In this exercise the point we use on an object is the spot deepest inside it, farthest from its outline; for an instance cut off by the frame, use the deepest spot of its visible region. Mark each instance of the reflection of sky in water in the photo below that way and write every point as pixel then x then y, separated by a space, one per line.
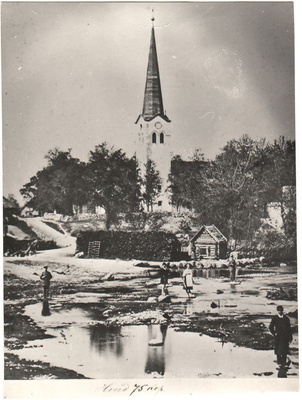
pixel 123 352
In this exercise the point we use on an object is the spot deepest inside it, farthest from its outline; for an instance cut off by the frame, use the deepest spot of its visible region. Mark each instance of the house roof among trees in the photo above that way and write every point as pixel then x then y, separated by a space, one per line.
pixel 213 231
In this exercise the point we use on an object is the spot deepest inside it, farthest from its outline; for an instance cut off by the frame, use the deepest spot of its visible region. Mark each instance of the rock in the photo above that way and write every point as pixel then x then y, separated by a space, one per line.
pixel 106 313
pixel 152 300
pixel 214 305
pixel 67 291
pixel 60 272
pixel 156 342
pixel 108 277
pixel 219 291
pixel 79 255
pixel 164 299
pixel 150 284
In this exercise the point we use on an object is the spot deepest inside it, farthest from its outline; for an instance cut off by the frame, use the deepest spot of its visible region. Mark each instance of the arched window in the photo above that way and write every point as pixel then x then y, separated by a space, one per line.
pixel 153 137
pixel 162 137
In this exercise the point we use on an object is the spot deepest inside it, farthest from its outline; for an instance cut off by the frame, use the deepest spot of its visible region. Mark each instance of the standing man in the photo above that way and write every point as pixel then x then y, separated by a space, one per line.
pixel 164 277
pixel 281 330
pixel 232 266
pixel 46 277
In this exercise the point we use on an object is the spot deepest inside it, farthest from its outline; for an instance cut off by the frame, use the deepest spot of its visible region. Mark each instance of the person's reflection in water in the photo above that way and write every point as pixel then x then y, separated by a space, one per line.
pixel 156 352
pixel 233 288
pixel 107 339
pixel 188 308
pixel 45 308
pixel 282 373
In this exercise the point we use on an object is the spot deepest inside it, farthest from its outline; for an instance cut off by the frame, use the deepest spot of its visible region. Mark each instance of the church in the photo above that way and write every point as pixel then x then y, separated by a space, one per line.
pixel 153 130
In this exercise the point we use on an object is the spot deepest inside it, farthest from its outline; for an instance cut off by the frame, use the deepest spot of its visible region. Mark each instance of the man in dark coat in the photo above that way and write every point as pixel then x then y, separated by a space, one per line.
pixel 164 277
pixel 281 330
pixel 232 266
pixel 46 277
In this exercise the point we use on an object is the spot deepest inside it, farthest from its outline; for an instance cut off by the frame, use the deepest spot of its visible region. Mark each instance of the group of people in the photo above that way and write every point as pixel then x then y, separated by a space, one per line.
pixel 186 275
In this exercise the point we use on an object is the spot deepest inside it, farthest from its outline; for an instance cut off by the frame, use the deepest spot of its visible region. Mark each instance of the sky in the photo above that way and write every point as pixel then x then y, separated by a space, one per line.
pixel 73 76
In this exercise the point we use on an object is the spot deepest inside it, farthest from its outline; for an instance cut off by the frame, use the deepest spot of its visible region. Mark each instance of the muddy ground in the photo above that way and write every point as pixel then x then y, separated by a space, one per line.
pixel 129 297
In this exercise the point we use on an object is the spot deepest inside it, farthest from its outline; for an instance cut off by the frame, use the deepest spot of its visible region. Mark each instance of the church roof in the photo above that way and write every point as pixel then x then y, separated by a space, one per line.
pixel 153 102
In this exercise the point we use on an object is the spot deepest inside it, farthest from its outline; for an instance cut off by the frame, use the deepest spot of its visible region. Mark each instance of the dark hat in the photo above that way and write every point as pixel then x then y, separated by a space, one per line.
pixel 46 267
pixel 279 308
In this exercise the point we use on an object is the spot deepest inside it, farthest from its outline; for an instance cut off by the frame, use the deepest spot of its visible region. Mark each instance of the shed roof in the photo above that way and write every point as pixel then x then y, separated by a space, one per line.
pixel 7 204
pixel 213 231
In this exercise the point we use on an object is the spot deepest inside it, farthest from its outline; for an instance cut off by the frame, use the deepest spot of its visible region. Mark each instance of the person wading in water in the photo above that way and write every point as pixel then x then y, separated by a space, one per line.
pixel 187 278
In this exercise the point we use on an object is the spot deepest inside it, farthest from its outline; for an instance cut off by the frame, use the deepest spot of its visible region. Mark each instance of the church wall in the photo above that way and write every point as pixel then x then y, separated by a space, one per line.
pixel 158 152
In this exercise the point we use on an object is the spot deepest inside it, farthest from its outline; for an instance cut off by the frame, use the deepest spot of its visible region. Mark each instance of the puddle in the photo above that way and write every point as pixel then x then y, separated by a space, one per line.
pixel 127 352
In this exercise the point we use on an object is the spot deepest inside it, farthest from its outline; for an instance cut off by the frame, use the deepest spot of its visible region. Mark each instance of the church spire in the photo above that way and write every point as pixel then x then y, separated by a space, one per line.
pixel 153 101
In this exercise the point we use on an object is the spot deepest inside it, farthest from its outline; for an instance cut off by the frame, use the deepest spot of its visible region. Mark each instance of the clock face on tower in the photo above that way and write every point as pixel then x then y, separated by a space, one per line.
pixel 158 125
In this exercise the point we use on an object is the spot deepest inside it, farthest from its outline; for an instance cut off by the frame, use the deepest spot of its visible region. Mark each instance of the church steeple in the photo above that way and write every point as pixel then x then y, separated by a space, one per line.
pixel 154 133
pixel 153 101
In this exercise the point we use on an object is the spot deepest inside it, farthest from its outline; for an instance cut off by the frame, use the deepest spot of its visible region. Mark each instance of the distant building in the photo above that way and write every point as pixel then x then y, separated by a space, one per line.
pixel 29 212
pixel 208 243
pixel 277 211
pixel 9 206
pixel 16 234
pixel 274 218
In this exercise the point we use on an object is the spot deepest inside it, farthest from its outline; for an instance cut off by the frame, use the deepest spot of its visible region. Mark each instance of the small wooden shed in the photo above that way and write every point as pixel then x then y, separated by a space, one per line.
pixel 208 243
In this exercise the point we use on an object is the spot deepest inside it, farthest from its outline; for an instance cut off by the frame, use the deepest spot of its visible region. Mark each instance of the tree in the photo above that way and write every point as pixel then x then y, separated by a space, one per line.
pixel 58 186
pixel 289 211
pixel 188 181
pixel 234 188
pixel 152 184
pixel 112 179
pixel 241 181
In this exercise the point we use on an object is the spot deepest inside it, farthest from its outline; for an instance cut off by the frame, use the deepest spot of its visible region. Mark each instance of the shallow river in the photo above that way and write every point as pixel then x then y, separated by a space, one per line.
pixel 126 352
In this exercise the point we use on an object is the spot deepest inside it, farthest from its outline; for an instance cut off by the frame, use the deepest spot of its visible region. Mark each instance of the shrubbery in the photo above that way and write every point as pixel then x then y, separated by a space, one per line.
pixel 152 246
pixel 282 293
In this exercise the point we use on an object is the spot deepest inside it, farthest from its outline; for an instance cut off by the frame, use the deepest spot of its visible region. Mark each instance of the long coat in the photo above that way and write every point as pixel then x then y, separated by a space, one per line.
pixel 280 328
pixel 46 277
pixel 187 279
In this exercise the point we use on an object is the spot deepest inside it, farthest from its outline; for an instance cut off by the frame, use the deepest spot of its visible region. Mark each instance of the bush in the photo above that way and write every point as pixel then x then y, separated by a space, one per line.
pixel 282 293
pixel 275 247
pixel 152 246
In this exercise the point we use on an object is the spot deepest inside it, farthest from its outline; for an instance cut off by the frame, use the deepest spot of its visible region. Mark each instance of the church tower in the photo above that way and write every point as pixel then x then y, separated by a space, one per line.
pixel 153 129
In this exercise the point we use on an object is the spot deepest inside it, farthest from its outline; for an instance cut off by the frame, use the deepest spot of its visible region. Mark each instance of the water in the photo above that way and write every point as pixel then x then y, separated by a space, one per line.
pixel 240 271
pixel 124 352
